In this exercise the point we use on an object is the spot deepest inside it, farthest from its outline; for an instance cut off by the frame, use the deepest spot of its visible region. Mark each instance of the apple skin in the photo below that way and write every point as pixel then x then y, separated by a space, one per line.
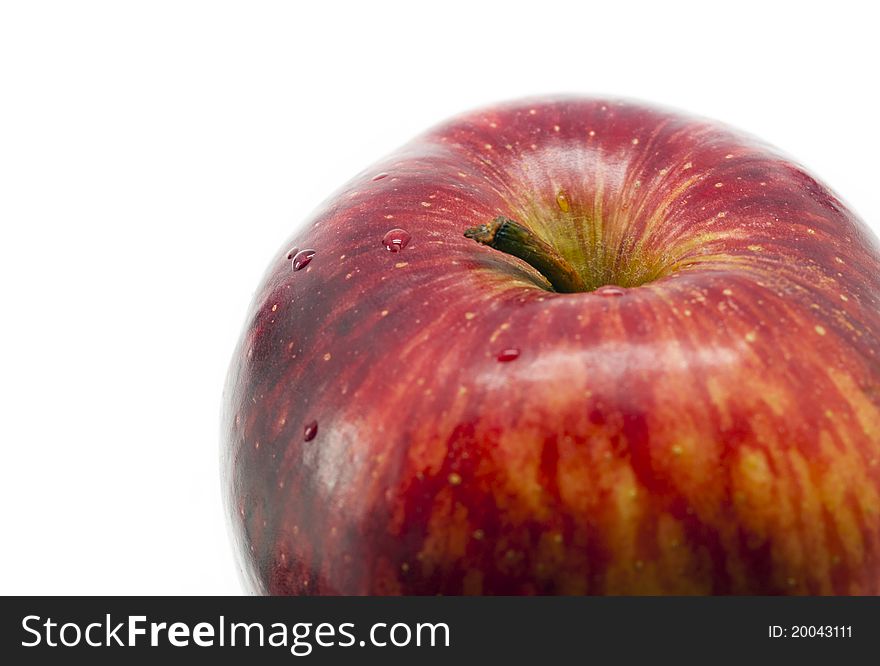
pixel 715 430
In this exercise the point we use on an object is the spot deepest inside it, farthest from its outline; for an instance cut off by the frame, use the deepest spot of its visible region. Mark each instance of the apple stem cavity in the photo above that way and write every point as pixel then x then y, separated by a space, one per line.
pixel 511 237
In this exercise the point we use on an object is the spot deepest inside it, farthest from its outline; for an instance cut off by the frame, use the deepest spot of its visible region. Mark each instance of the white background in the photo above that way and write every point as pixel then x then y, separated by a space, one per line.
pixel 154 155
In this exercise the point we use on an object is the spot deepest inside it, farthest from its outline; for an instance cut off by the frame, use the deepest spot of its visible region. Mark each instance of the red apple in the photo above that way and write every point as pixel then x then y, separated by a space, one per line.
pixel 413 412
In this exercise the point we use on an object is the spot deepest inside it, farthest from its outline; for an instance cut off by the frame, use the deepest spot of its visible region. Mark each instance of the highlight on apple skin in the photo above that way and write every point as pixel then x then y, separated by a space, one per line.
pixel 563 346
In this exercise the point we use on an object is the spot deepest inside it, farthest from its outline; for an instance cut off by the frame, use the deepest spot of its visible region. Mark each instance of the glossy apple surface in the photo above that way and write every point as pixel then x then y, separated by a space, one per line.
pixel 436 419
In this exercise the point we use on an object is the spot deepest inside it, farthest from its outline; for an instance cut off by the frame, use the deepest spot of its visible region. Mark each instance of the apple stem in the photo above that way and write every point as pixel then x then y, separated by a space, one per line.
pixel 510 237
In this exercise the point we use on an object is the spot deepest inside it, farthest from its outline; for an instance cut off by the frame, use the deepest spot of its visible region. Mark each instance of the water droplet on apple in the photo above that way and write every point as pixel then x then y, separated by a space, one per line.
pixel 509 354
pixel 302 259
pixel 610 290
pixel 310 431
pixel 292 253
pixel 380 176
pixel 562 201
pixel 396 239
